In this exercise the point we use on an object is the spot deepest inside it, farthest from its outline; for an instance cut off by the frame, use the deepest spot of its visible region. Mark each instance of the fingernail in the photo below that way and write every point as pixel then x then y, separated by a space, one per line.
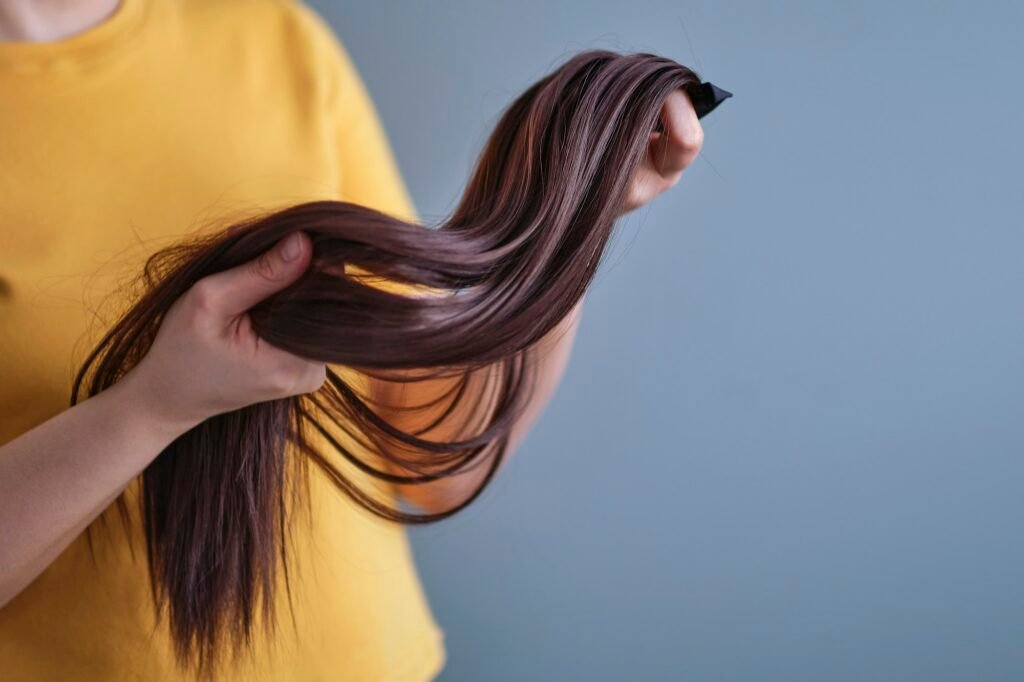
pixel 291 247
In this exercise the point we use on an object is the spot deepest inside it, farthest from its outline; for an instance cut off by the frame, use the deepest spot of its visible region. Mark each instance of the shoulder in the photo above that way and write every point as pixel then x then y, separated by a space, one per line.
pixel 278 29
pixel 292 18
pixel 267 38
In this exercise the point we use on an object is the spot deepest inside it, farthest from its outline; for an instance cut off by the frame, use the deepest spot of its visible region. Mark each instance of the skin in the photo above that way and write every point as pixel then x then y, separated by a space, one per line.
pixel 48 20
pixel 58 477
pixel 669 154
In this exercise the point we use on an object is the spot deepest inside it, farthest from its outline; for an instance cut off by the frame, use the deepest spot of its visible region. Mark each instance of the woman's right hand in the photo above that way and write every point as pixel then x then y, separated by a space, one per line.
pixel 206 359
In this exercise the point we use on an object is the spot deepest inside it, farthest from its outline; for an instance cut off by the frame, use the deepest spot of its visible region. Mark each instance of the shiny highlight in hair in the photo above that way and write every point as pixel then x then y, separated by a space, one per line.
pixel 512 260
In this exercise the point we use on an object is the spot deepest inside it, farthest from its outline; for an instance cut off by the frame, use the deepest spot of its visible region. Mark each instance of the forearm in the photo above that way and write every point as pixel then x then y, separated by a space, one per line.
pixel 552 359
pixel 549 364
pixel 56 478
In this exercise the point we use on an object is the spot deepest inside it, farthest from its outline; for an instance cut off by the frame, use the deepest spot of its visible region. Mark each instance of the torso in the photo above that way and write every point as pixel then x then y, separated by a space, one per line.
pixel 203 113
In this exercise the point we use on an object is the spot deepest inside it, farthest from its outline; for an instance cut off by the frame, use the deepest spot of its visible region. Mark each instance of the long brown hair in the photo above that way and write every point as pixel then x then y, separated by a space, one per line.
pixel 513 259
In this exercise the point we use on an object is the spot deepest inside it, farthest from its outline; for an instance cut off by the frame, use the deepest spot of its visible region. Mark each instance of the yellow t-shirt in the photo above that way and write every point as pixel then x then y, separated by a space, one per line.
pixel 167 118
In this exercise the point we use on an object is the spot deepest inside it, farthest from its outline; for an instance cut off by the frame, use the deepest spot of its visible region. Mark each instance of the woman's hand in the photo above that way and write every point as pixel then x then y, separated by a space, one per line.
pixel 58 476
pixel 206 359
pixel 669 153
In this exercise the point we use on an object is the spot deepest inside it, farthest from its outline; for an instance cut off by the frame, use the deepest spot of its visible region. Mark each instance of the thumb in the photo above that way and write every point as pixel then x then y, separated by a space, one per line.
pixel 236 290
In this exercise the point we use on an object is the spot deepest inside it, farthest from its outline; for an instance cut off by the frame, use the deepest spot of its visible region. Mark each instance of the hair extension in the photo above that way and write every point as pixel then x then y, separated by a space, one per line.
pixel 515 256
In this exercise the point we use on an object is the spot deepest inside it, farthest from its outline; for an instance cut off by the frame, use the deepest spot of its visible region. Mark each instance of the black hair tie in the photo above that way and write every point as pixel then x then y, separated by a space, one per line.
pixel 706 96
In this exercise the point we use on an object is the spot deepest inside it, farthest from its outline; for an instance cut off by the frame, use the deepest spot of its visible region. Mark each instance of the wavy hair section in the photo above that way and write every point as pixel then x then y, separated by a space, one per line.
pixel 513 259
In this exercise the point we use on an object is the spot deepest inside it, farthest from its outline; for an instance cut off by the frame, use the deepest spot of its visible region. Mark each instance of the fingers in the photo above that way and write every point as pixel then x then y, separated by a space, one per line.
pixel 234 291
pixel 285 374
pixel 674 149
pixel 670 150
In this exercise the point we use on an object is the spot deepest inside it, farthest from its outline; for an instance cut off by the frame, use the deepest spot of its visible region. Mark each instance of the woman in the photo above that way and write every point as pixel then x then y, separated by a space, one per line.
pixel 124 124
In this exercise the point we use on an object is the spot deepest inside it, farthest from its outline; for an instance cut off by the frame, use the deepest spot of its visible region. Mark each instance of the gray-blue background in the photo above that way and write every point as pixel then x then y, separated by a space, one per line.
pixel 789 443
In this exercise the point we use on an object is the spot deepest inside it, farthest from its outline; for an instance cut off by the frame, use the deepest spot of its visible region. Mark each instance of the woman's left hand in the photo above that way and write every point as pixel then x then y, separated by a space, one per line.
pixel 669 153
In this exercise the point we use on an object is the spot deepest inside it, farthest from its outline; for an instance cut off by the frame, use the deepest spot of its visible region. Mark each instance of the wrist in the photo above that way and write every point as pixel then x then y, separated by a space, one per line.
pixel 137 397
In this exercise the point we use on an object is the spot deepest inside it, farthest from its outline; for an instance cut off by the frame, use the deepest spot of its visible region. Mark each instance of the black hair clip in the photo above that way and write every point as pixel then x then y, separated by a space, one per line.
pixel 705 97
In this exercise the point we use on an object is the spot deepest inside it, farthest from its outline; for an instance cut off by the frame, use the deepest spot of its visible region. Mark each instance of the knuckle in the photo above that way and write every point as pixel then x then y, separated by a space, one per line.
pixel 693 138
pixel 203 295
pixel 264 267
pixel 317 379
pixel 287 381
pixel 280 382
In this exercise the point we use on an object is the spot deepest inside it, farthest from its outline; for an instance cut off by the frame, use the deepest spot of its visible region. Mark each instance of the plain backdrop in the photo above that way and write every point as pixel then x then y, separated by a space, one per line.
pixel 789 442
